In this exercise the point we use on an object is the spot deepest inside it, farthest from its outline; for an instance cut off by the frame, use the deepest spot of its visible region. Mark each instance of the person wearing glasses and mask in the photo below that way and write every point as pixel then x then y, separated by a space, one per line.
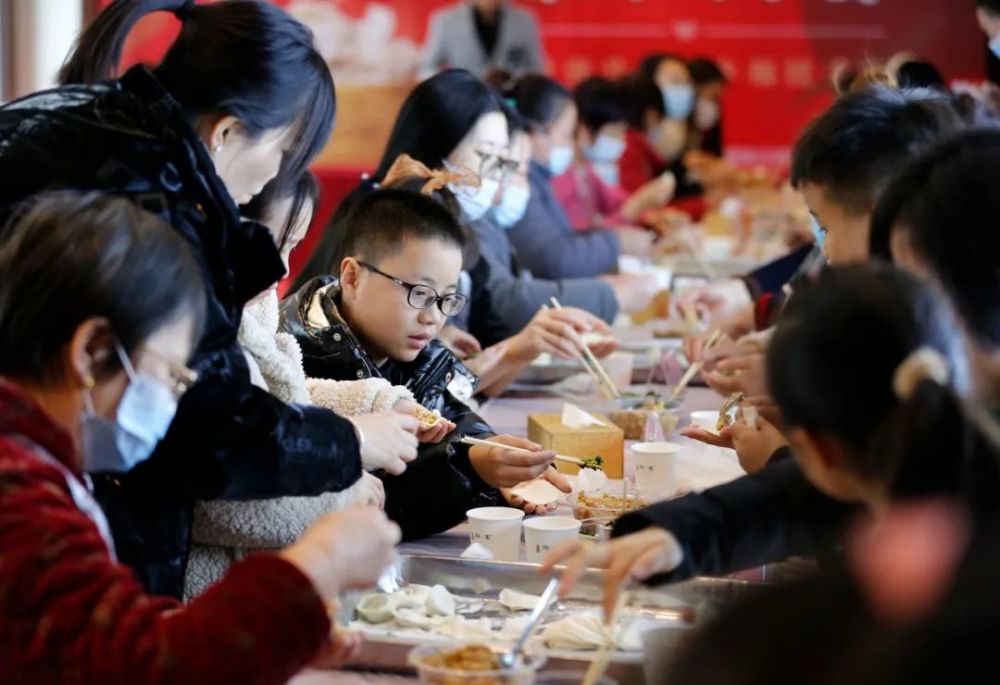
pixel 396 286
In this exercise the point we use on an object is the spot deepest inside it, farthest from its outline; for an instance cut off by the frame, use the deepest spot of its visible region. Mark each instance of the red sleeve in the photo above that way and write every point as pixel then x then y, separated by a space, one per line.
pixel 634 167
pixel 69 613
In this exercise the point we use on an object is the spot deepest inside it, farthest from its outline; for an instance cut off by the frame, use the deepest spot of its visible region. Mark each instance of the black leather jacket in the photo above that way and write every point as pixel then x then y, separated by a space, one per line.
pixel 440 486
pixel 229 439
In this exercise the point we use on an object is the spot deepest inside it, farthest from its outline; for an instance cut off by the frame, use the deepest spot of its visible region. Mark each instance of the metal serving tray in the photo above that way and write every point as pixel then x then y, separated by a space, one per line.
pixel 665 613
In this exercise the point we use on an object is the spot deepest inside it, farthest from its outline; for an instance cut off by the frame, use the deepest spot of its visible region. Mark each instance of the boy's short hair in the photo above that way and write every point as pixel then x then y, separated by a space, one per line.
pixel 599 102
pixel 991 5
pixel 379 223
pixel 858 145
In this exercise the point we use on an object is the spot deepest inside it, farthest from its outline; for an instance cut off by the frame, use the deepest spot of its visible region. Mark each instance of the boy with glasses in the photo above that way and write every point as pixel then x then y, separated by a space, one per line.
pixel 397 287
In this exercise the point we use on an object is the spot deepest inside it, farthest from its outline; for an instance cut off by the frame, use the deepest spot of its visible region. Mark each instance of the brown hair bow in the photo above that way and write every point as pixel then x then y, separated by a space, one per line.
pixel 406 168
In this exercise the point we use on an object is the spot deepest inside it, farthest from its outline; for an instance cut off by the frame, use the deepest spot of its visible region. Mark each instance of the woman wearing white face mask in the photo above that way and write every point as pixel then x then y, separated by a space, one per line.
pixel 545 240
pixel 706 118
pixel 590 193
pixel 101 306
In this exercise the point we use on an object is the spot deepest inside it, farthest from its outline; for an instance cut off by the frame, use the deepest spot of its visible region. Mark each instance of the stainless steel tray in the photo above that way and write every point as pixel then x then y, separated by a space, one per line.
pixel 666 613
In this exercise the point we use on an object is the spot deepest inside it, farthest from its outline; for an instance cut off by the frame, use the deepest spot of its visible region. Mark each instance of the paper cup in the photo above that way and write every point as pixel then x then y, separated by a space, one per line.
pixel 619 368
pixel 655 467
pixel 706 420
pixel 542 533
pixel 498 529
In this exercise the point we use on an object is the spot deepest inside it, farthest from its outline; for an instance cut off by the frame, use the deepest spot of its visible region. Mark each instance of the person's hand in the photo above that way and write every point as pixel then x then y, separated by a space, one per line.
pixel 389 440
pixel 756 445
pixel 506 468
pixel 631 557
pixel 603 347
pixel 556 331
pixel 425 434
pixel 343 647
pixel 487 360
pixel 345 550
pixel 723 439
pixel 746 374
pixel 552 476
pixel 766 407
pixel 655 193
pixel 461 344
pixel 635 241
pixel 633 291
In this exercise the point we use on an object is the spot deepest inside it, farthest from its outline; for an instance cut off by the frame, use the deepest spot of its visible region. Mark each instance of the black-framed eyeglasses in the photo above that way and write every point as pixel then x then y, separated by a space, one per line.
pixel 495 166
pixel 420 296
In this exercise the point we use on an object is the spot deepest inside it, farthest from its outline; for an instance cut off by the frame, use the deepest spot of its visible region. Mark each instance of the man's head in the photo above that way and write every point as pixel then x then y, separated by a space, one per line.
pixel 939 220
pixel 847 156
pixel 399 275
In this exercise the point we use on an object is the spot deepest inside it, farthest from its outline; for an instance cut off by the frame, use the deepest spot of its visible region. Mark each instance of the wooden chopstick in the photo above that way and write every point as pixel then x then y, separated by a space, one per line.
pixel 603 657
pixel 598 371
pixel 500 445
pixel 697 366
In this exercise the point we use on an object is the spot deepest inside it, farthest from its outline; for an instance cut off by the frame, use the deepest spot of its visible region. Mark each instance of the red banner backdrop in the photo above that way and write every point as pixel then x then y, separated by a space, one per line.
pixel 778 53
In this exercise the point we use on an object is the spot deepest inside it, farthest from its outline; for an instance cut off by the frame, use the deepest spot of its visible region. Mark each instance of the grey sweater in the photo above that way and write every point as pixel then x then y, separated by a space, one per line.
pixel 549 247
pixel 505 299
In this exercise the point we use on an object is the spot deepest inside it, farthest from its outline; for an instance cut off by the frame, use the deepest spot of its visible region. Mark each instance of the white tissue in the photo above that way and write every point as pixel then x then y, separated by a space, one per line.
pixel 478 552
pixel 591 480
pixel 574 417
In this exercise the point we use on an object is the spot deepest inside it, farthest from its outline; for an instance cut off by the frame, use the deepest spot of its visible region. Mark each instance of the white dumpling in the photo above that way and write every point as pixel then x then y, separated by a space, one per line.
pixel 465 630
pixel 440 602
pixel 410 596
pixel 579 631
pixel 375 608
pixel 518 601
pixel 410 618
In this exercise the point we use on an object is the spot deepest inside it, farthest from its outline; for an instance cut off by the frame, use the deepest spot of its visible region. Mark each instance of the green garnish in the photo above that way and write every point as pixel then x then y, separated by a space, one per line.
pixel 596 463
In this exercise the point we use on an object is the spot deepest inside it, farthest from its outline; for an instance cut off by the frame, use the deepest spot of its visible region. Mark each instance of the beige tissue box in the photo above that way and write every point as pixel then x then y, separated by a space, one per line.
pixel 608 442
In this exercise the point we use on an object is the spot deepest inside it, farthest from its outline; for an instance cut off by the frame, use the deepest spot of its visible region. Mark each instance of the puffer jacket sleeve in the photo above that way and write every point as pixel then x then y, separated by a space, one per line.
pixel 437 489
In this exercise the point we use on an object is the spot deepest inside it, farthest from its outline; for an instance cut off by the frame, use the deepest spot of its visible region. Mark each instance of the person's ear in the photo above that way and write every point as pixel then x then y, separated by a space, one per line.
pixel 350 276
pixel 89 351
pixel 821 449
pixel 216 131
pixel 650 118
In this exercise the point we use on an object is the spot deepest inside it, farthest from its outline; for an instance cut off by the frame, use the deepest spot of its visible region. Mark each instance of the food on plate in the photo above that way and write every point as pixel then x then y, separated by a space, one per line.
pixel 603 504
pixel 515 600
pixel 375 608
pixel 727 414
pixel 633 422
pixel 428 417
pixel 586 630
pixel 659 308
pixel 675 328
pixel 440 602
pixel 467 658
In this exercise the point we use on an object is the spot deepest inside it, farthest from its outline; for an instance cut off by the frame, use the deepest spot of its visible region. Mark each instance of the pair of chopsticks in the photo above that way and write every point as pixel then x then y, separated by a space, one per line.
pixel 603 657
pixel 499 445
pixel 592 366
pixel 697 366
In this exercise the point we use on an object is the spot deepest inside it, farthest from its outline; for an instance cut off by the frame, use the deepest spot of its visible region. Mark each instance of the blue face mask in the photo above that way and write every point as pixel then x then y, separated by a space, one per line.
pixel 606 149
pixel 144 414
pixel 560 157
pixel 608 172
pixel 512 207
pixel 678 101
pixel 819 233
pixel 995 46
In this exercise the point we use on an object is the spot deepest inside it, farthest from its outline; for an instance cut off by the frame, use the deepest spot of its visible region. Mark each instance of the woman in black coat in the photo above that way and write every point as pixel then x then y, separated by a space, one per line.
pixel 240 93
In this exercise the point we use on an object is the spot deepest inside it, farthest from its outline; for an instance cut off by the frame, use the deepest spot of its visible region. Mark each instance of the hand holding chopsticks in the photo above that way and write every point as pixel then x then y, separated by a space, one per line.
pixel 591 365
pixel 696 366
pixel 501 446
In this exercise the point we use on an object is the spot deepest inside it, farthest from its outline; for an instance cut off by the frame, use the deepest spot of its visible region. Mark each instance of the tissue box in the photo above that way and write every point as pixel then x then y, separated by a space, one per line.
pixel 608 441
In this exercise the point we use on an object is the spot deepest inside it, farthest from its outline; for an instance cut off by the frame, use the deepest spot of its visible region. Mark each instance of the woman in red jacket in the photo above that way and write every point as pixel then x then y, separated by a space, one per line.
pixel 100 306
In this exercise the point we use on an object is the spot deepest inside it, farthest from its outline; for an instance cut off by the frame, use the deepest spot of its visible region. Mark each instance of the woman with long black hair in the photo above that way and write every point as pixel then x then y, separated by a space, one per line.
pixel 241 93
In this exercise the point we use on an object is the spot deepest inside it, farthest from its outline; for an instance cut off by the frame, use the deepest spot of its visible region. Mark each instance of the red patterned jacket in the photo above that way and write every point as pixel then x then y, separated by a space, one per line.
pixel 69 613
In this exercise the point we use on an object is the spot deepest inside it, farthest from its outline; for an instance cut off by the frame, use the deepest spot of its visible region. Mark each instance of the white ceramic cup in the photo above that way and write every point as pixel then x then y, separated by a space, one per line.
pixel 498 529
pixel 542 533
pixel 655 467
pixel 706 420
pixel 619 368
